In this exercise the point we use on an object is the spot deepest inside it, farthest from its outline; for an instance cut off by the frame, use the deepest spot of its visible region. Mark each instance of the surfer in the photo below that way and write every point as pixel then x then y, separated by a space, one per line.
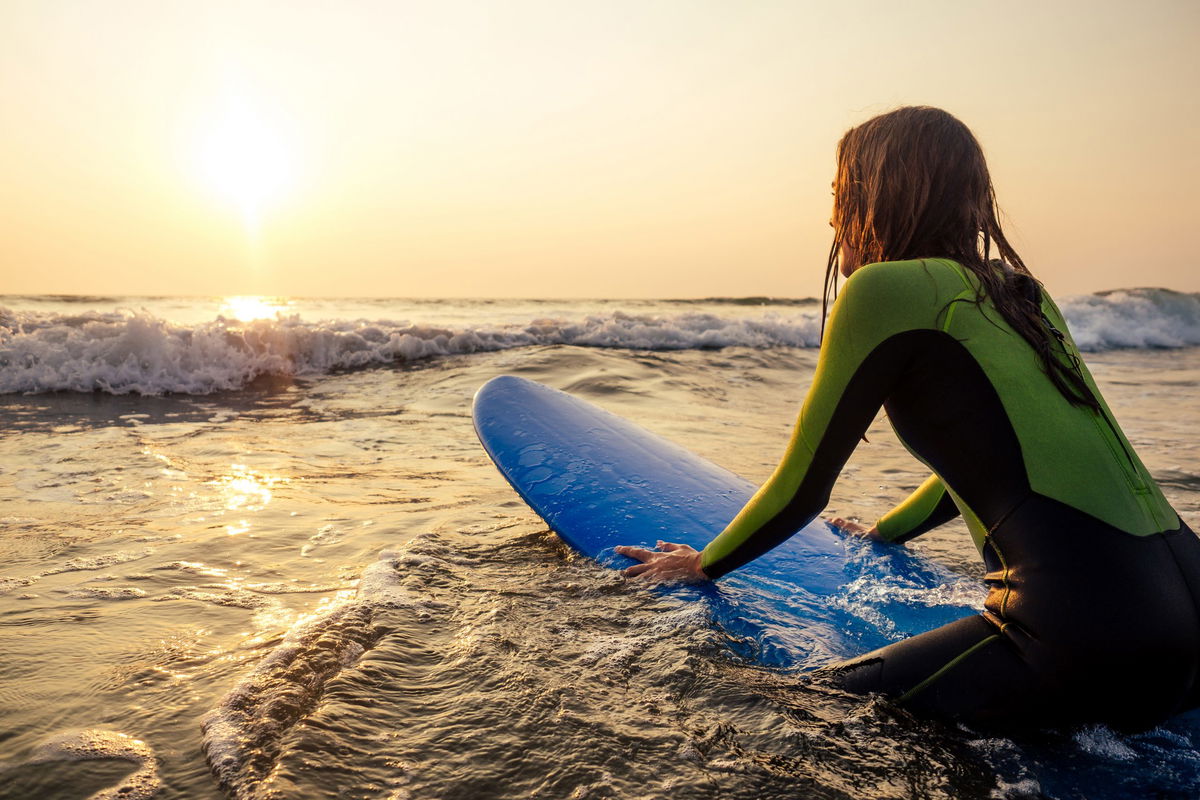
pixel 1093 608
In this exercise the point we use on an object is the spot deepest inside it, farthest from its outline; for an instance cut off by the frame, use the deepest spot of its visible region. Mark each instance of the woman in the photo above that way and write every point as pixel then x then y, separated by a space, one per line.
pixel 1093 610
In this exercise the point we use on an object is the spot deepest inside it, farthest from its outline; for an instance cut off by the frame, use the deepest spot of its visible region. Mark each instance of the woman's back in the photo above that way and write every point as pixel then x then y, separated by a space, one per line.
pixel 975 404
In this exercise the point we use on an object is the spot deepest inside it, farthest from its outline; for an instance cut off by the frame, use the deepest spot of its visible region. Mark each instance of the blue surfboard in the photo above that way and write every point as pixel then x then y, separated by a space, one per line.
pixel 599 481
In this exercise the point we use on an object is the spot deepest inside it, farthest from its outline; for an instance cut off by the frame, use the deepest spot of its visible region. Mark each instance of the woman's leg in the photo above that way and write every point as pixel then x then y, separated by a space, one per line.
pixel 965 670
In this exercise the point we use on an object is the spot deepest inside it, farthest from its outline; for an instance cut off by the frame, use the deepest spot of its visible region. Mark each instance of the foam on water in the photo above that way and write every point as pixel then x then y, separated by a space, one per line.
pixel 1133 318
pixel 1101 741
pixel 89 745
pixel 106 593
pixel 242 735
pixel 81 564
pixel 125 351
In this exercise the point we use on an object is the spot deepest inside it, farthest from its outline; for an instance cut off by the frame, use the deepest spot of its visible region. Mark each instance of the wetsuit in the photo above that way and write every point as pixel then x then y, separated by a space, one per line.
pixel 1093 609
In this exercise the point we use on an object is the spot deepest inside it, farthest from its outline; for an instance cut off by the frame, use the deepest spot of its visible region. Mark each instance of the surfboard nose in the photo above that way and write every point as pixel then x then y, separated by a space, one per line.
pixel 498 385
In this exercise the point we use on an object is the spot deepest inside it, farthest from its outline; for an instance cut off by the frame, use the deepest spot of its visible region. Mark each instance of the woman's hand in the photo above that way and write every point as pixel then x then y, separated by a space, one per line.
pixel 668 562
pixel 857 529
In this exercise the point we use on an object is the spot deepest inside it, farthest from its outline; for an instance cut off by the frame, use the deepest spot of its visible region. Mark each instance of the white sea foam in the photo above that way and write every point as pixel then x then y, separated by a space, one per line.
pixel 242 734
pixel 1102 741
pixel 122 352
pixel 88 745
pixel 106 593
pixel 1133 318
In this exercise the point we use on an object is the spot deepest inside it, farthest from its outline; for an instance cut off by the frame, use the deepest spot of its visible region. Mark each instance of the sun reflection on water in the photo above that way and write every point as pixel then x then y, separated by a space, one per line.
pixel 270 620
pixel 247 308
pixel 244 490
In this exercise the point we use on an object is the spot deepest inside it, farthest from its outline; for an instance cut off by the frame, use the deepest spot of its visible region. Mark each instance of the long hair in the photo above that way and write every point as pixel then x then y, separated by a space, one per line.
pixel 913 183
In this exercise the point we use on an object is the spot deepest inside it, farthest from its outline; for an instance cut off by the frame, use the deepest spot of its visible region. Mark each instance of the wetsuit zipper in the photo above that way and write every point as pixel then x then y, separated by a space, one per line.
pixel 1109 434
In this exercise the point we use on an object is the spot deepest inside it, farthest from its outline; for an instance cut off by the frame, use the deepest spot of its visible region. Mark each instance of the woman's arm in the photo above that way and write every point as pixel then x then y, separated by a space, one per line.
pixel 925 509
pixel 882 318
pixel 877 321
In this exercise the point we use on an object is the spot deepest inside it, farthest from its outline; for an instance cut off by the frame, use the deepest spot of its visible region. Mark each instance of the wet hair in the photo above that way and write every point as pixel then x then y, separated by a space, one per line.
pixel 912 184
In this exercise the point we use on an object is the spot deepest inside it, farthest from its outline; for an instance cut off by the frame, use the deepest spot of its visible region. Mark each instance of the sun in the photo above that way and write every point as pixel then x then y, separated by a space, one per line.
pixel 245 158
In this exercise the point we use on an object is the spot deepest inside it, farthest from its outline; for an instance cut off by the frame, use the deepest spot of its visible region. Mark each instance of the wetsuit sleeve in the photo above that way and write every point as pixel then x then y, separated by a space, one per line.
pixel 863 354
pixel 925 509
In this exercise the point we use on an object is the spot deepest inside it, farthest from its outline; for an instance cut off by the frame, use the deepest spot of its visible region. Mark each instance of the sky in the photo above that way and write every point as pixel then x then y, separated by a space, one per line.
pixel 614 149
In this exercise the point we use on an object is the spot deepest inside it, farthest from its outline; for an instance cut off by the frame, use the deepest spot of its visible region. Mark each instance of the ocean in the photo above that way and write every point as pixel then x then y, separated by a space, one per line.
pixel 252 548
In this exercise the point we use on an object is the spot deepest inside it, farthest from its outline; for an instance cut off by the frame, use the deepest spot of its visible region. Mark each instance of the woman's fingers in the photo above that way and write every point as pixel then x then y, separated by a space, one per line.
pixel 640 553
pixel 849 525
pixel 669 562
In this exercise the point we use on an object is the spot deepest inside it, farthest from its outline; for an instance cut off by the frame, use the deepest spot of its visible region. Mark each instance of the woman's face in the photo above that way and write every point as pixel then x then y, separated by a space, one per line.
pixel 847 259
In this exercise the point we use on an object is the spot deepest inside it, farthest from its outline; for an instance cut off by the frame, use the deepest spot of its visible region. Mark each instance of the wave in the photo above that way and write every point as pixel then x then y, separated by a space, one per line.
pixel 121 352
pixel 755 300
pixel 1134 318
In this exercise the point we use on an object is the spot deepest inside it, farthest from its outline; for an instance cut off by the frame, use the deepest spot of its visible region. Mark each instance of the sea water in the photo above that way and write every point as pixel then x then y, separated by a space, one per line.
pixel 252 548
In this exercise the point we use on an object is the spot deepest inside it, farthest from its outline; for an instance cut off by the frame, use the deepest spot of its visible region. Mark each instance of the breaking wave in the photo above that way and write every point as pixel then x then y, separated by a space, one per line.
pixel 121 352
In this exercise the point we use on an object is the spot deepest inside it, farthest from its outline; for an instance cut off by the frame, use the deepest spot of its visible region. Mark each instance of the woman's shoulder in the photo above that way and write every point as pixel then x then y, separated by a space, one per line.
pixel 890 297
pixel 932 268
pixel 921 281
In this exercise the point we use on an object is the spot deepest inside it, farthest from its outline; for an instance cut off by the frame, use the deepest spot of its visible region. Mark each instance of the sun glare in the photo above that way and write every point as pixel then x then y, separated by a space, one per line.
pixel 245 158
pixel 250 308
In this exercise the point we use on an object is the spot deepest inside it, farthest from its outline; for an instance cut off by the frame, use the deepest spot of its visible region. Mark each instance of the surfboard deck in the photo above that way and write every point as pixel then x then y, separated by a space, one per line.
pixel 599 480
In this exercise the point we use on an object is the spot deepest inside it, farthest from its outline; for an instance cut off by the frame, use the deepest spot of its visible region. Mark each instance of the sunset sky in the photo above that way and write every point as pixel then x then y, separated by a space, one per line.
pixel 566 149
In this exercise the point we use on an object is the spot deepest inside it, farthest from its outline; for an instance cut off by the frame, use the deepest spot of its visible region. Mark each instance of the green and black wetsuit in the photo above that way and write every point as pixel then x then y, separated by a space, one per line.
pixel 1093 610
